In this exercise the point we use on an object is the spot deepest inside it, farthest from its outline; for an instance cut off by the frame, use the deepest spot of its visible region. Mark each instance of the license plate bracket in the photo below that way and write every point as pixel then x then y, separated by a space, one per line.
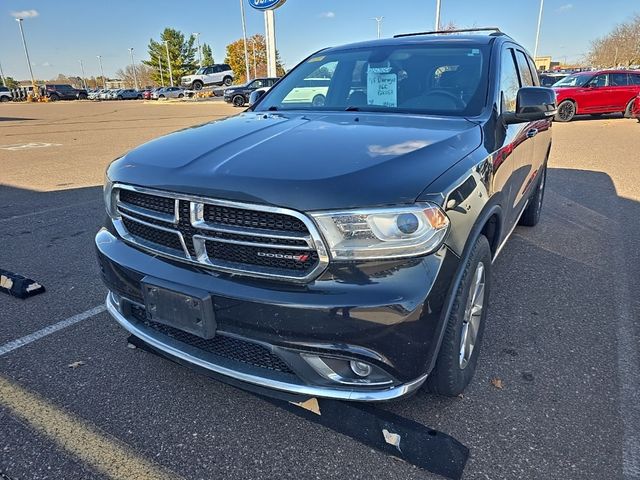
pixel 185 308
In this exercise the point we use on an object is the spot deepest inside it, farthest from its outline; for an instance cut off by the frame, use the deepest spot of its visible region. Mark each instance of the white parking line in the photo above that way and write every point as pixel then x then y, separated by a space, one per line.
pixel 26 146
pixel 26 340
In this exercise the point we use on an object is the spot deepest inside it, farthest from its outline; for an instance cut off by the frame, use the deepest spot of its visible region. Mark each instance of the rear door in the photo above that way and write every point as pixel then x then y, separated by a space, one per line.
pixel 622 91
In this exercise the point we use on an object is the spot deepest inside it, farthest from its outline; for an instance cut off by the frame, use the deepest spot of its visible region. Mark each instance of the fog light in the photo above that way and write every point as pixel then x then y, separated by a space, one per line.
pixel 361 369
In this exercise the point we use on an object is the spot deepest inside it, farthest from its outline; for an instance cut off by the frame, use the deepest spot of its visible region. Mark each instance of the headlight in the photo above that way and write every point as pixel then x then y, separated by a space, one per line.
pixel 384 233
pixel 109 200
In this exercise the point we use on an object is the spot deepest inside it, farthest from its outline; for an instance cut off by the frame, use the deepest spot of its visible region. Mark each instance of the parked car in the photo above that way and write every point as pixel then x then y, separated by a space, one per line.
pixel 342 250
pixel 596 93
pixel 168 92
pixel 548 79
pixel 129 94
pixel 220 74
pixel 148 94
pixel 64 92
pixel 5 94
pixel 310 90
pixel 239 95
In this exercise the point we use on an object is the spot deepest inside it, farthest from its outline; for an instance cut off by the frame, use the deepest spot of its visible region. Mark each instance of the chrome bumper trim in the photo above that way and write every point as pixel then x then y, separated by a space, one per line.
pixel 323 392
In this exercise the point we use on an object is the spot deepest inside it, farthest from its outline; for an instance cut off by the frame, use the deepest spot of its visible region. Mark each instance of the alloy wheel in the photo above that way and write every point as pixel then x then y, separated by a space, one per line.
pixel 472 316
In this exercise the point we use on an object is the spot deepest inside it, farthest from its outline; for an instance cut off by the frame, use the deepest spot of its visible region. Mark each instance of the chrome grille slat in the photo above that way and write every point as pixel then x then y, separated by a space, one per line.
pixel 297 255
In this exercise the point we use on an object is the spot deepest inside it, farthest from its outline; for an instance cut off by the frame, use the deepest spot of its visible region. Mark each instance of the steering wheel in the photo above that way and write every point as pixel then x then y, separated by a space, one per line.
pixel 444 93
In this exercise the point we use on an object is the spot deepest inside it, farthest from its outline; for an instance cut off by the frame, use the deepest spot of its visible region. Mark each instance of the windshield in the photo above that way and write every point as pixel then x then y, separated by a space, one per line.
pixel 575 80
pixel 200 71
pixel 428 79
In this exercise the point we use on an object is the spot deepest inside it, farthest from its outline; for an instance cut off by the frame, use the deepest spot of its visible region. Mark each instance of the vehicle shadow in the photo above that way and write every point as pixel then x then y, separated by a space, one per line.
pixel 547 372
pixel 597 116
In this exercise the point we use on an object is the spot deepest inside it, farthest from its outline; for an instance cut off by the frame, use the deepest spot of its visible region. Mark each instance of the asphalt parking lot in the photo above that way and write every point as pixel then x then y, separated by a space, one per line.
pixel 562 337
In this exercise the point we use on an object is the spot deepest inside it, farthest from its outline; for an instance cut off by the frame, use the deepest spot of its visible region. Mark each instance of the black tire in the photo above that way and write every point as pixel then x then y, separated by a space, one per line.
pixel 318 100
pixel 54 97
pixel 227 81
pixel 82 96
pixel 161 96
pixel 628 112
pixel 180 95
pixel 531 215
pixel 197 85
pixel 566 111
pixel 238 101
pixel 139 97
pixel 120 97
pixel 4 98
pixel 452 372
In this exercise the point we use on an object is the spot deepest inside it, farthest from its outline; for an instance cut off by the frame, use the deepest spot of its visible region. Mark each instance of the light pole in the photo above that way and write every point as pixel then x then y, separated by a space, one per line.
pixel 104 80
pixel 133 65
pixel 535 48
pixel 84 81
pixel 197 35
pixel 255 67
pixel 4 80
pixel 166 44
pixel 26 53
pixel 244 36
pixel 161 74
pixel 379 22
pixel 437 25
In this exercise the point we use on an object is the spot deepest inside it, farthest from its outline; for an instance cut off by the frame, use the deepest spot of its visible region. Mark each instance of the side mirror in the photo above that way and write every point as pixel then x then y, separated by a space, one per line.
pixel 533 103
pixel 255 96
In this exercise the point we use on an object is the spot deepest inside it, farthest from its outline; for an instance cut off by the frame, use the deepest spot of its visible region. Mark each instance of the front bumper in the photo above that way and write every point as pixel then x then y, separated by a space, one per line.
pixel 388 315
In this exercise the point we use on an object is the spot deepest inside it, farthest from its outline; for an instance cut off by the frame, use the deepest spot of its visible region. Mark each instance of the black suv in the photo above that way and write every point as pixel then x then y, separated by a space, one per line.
pixel 342 250
pixel 64 92
pixel 239 95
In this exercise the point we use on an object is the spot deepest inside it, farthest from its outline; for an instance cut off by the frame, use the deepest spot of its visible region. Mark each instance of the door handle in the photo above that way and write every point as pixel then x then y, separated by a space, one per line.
pixel 532 133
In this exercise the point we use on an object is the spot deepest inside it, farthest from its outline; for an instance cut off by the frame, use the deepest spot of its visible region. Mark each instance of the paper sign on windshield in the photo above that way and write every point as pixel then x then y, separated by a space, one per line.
pixel 382 88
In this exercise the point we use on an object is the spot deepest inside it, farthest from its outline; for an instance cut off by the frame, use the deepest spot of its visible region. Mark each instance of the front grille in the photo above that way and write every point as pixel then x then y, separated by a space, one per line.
pixel 221 346
pixel 249 240
pixel 252 218
pixel 150 202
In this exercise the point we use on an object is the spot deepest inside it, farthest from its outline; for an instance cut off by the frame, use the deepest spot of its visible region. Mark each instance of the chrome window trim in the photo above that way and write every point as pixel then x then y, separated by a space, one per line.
pixel 314 239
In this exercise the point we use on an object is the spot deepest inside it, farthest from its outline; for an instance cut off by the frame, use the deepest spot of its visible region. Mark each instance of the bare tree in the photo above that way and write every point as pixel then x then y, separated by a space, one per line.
pixel 621 47
pixel 143 72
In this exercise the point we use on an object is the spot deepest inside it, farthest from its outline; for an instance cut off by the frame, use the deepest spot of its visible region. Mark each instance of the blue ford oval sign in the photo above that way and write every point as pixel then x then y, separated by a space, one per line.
pixel 266 4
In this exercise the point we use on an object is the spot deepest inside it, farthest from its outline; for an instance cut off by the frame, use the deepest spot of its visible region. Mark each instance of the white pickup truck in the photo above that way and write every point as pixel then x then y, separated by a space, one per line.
pixel 220 74
pixel 5 94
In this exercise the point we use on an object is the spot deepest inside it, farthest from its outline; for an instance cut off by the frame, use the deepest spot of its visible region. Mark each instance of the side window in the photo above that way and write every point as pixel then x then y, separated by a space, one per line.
pixel 523 66
pixel 599 81
pixel 634 79
pixel 534 71
pixel 509 83
pixel 618 79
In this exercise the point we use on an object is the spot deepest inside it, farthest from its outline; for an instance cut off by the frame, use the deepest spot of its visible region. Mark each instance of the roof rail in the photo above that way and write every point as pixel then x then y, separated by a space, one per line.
pixel 495 30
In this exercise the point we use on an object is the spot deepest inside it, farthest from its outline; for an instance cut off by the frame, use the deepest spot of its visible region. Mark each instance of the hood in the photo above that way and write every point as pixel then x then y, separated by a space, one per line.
pixel 310 161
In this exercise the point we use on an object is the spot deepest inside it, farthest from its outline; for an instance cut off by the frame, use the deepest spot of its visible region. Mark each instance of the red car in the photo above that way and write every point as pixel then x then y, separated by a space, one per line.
pixel 595 93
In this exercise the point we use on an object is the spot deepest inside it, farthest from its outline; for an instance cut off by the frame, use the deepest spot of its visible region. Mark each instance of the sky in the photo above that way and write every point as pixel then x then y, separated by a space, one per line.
pixel 60 33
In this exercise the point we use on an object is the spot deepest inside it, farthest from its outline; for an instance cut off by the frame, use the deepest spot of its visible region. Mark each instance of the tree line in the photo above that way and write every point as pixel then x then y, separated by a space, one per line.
pixel 620 47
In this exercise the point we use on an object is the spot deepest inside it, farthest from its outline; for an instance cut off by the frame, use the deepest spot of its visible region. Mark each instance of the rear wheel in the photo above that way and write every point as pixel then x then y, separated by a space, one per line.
pixel 628 112
pixel 318 101
pixel 180 95
pixel 4 98
pixel 566 111
pixel 458 356
pixel 197 85
pixel 227 81
pixel 531 215
pixel 238 101
pixel 54 97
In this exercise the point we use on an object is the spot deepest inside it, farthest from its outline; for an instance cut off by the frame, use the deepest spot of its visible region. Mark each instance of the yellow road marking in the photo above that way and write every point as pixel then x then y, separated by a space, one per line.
pixel 103 452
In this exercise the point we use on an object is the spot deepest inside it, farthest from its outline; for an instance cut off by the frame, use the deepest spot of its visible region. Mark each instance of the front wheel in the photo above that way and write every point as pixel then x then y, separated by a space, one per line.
pixel 227 81
pixel 180 95
pixel 531 215
pixel 197 85
pixel 4 99
pixel 566 111
pixel 238 101
pixel 458 356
